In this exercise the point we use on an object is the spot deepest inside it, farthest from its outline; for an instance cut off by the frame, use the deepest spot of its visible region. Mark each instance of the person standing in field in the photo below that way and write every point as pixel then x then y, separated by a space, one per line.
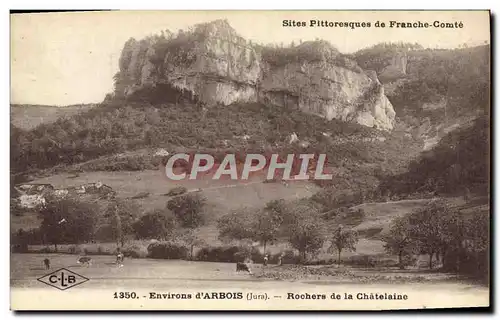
pixel 266 258
pixel 280 259
pixel 46 262
pixel 119 257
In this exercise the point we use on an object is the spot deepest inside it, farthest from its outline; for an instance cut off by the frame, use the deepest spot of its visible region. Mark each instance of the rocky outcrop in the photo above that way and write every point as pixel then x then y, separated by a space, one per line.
pixel 216 66
pixel 396 68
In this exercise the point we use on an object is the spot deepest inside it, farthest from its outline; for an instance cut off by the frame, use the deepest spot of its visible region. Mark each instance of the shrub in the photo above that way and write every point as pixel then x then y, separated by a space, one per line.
pixel 167 250
pixel 135 251
pixel 370 261
pixel 229 254
pixel 188 209
pixel 252 252
pixel 104 250
pixel 155 224
pixel 20 248
pixel 83 250
pixel 289 257
pixel 99 250
pixel 360 261
pixel 176 191
pixel 219 254
pixel 318 262
pixel 45 250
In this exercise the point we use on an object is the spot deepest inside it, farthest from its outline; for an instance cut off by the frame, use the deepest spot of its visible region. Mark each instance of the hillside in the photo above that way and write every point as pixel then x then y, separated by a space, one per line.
pixel 433 91
pixel 459 162
pixel 422 82
pixel 117 128
pixel 28 117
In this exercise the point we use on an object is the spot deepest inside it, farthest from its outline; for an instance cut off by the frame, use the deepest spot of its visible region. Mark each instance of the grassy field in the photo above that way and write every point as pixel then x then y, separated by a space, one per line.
pixel 224 194
pixel 378 216
pixel 26 268
pixel 146 276
pixel 223 197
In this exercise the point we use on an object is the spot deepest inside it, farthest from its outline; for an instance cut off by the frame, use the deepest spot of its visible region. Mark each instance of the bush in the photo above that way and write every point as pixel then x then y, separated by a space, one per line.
pixel 359 261
pixel 229 254
pixel 319 262
pixel 135 251
pixel 219 254
pixel 20 248
pixel 176 191
pixel 188 209
pixel 84 250
pixel 45 250
pixel 167 250
pixel 289 257
pixel 369 261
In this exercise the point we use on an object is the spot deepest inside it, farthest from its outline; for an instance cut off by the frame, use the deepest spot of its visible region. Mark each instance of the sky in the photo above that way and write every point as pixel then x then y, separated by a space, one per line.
pixel 70 58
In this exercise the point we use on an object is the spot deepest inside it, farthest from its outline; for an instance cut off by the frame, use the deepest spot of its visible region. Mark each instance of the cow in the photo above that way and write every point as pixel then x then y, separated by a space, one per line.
pixel 85 260
pixel 241 266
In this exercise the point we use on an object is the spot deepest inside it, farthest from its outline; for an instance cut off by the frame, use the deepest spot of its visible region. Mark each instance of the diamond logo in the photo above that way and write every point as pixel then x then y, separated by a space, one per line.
pixel 63 279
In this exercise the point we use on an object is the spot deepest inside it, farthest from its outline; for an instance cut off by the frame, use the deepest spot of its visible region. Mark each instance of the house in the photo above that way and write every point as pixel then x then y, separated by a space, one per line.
pixel 31 201
pixel 34 188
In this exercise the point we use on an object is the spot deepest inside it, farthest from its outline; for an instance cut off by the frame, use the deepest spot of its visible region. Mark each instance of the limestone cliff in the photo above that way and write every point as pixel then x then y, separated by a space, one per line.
pixel 396 67
pixel 217 66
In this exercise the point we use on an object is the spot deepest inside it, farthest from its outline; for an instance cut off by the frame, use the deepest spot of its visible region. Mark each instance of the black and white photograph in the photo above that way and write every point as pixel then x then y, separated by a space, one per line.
pixel 250 160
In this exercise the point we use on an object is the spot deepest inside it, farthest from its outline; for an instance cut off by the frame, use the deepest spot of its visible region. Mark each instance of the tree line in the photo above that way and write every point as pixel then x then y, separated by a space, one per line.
pixel 458 240
pixel 300 223
pixel 450 236
pixel 75 221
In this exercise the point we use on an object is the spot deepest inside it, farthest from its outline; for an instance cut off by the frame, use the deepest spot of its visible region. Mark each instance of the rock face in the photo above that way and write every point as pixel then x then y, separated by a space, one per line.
pixel 217 66
pixel 397 67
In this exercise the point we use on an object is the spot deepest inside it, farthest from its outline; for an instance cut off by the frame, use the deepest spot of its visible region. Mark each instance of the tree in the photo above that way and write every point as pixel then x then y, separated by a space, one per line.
pixel 156 224
pixel 277 208
pixel 68 221
pixel 266 227
pixel 304 228
pixel 261 225
pixel 398 241
pixel 236 225
pixel 188 209
pixel 428 228
pixel 464 241
pixel 267 223
pixel 191 238
pixel 120 215
pixel 343 239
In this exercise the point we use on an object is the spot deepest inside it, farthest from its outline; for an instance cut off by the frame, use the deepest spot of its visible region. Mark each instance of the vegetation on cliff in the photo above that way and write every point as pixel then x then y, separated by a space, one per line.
pixel 459 162
pixel 460 77
pixel 308 51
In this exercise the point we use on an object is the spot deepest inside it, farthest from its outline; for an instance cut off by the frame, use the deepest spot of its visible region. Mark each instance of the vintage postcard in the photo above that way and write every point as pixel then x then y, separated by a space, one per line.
pixel 250 160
